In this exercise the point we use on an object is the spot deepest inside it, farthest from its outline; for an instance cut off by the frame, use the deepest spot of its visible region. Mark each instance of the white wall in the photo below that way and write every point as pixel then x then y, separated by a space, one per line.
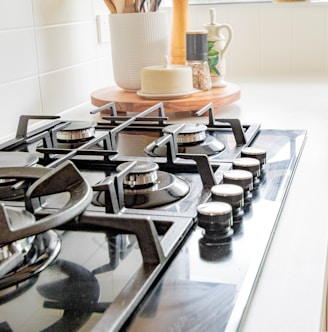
pixel 50 58
pixel 273 38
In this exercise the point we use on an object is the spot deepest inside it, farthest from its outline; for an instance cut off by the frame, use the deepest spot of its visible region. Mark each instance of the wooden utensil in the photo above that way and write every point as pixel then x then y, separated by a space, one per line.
pixel 110 6
pixel 141 6
pixel 137 6
pixel 129 6
pixel 154 4
pixel 119 5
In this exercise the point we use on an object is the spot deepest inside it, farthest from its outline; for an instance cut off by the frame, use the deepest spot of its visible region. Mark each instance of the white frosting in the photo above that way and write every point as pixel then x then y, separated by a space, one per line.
pixel 167 79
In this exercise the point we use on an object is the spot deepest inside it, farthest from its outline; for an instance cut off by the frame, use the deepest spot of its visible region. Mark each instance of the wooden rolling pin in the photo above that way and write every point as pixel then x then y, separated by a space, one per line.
pixel 178 33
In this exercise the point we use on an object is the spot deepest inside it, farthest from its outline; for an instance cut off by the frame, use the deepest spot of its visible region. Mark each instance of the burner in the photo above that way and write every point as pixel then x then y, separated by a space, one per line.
pixel 77 131
pixel 42 252
pixel 147 187
pixel 193 138
pixel 13 254
pixel 143 174
pixel 191 133
pixel 16 159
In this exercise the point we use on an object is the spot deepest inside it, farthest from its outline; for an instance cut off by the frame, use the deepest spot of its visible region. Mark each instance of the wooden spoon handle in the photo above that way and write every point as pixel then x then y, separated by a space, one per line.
pixel 110 6
pixel 129 6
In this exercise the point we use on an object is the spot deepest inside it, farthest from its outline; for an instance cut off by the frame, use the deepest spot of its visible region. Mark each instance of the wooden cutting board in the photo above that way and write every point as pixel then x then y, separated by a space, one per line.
pixel 130 102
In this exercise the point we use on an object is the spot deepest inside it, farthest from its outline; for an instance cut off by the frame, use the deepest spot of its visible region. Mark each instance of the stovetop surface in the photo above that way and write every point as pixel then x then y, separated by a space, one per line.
pixel 210 291
pixel 196 289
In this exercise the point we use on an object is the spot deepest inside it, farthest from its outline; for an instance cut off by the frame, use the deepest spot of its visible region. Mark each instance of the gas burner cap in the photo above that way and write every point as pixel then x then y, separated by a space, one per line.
pixel 77 131
pixel 190 133
pixel 143 174
pixel 192 139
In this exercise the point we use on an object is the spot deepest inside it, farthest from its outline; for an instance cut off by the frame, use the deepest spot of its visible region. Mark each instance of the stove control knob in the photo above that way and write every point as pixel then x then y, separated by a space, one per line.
pixel 231 194
pixel 249 164
pixel 216 219
pixel 258 153
pixel 241 178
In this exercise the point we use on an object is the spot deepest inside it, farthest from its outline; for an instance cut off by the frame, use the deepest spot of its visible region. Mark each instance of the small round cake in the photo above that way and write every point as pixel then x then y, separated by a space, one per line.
pixel 166 80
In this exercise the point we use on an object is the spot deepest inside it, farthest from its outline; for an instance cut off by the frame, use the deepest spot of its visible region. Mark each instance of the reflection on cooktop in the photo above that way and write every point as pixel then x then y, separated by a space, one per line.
pixel 181 305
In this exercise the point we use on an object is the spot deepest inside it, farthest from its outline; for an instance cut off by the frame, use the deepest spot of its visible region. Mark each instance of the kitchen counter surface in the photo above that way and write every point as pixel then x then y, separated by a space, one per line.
pixel 290 293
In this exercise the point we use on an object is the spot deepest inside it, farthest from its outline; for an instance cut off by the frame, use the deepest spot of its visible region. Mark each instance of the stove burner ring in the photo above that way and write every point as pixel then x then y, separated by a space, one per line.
pixel 168 189
pixel 147 187
pixel 191 133
pixel 192 139
pixel 12 254
pixel 143 174
pixel 44 250
pixel 77 131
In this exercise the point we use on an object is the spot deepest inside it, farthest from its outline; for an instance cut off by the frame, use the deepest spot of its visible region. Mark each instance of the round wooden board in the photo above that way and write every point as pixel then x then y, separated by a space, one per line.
pixel 130 102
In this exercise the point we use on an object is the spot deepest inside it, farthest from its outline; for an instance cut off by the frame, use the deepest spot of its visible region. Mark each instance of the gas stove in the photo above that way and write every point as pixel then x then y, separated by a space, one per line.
pixel 134 223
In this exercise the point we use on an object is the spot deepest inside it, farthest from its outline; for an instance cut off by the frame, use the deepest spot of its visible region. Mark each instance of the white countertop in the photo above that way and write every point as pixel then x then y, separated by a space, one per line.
pixel 290 293
pixel 291 290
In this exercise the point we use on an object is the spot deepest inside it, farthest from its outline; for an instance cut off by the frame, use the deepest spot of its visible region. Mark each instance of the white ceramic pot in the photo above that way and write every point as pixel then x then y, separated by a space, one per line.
pixel 137 40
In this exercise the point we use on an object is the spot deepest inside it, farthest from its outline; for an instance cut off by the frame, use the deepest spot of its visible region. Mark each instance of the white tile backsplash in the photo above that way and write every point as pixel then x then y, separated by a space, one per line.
pixel 50 58
pixel 76 84
pixel 309 39
pixel 15 14
pixel 275 38
pixel 50 12
pixel 15 97
pixel 244 54
pixel 65 45
pixel 17 55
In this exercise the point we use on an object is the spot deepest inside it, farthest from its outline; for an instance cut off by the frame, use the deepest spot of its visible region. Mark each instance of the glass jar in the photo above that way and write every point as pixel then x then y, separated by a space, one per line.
pixel 197 59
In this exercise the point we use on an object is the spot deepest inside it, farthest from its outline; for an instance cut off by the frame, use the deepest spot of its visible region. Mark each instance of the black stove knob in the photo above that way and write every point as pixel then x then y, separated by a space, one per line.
pixel 231 194
pixel 241 178
pixel 216 219
pixel 257 153
pixel 249 164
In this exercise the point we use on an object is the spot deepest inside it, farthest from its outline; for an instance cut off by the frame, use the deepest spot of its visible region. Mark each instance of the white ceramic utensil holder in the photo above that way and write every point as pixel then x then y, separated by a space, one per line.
pixel 137 40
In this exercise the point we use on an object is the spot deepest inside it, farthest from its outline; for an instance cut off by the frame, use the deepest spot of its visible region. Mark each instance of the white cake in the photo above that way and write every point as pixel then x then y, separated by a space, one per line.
pixel 166 80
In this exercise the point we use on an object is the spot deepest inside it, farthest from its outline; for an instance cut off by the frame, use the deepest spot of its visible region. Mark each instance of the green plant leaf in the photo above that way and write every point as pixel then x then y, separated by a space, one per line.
pixel 213 52
pixel 214 71
pixel 213 61
pixel 216 61
pixel 210 44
